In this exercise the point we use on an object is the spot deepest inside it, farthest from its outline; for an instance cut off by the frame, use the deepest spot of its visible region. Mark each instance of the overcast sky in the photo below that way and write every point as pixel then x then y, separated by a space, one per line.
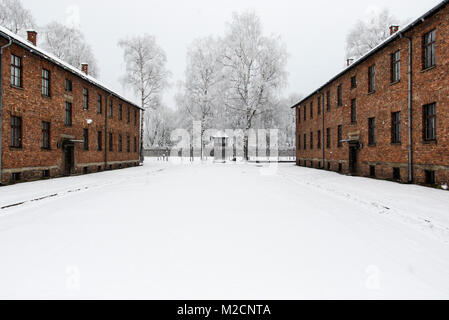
pixel 314 31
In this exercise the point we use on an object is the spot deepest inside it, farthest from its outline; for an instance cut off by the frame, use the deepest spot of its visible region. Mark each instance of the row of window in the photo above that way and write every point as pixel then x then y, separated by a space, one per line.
pixel 16 137
pixel 429 60
pixel 429 175
pixel 16 80
pixel 110 141
pixel 429 130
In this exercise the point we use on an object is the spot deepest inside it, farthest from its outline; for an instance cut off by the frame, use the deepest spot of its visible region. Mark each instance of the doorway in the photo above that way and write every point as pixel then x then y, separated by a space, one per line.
pixel 69 161
pixel 353 159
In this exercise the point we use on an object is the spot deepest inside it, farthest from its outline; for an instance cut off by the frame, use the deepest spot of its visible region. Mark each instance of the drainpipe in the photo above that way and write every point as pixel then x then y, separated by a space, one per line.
pixel 410 110
pixel 322 128
pixel 106 110
pixel 1 102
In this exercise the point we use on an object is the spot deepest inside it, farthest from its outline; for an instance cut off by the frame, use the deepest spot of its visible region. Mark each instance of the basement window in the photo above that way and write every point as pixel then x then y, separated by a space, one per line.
pixel 430 177
pixel 372 171
pixel 45 173
pixel 16 176
pixel 396 174
pixel 340 167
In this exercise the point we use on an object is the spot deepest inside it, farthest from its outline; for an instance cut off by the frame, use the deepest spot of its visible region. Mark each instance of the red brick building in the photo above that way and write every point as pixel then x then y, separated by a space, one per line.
pixel 57 120
pixel 387 114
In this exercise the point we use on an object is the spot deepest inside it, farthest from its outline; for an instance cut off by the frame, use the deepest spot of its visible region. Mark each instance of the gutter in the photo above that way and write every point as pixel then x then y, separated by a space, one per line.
pixel 1 102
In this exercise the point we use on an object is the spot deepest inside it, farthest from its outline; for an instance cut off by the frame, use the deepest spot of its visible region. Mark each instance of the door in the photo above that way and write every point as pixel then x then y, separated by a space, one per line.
pixel 68 159
pixel 353 159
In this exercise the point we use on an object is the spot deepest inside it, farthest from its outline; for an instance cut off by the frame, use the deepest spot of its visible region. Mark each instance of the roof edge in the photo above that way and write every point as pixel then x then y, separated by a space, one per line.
pixel 382 45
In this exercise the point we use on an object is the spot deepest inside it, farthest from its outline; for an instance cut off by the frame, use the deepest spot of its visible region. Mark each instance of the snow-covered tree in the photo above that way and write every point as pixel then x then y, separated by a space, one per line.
pixel 15 17
pixel 146 71
pixel 201 92
pixel 158 127
pixel 369 32
pixel 254 69
pixel 69 44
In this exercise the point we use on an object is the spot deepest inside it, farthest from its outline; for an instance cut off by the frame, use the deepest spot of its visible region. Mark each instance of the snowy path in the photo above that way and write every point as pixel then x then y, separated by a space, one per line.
pixel 223 231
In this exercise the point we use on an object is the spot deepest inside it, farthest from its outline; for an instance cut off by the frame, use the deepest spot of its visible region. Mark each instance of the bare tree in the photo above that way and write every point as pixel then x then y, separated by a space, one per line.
pixel 70 45
pixel 146 72
pixel 254 67
pixel 158 126
pixel 201 89
pixel 15 17
pixel 369 33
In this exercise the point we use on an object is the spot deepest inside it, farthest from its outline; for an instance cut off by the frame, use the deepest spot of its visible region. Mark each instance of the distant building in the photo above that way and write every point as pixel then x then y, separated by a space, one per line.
pixel 377 119
pixel 57 120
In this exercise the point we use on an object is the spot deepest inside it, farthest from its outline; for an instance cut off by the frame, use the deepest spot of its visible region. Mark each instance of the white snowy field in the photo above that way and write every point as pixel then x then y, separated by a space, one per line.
pixel 223 231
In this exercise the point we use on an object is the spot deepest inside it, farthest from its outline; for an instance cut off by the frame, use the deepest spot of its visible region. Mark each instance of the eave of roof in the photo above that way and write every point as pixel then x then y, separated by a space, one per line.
pixel 397 35
pixel 5 33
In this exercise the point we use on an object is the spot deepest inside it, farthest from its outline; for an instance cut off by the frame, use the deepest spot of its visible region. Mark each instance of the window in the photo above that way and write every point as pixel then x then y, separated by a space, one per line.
pixel 429 56
pixel 120 112
pixel 111 142
pixel 45 135
pixel 135 144
pixel 135 117
pixel 128 144
pixel 353 111
pixel 340 136
pixel 396 127
pixel 372 131
pixel 111 109
pixel 85 99
pixel 68 114
pixel 430 177
pixel 396 174
pixel 311 110
pixel 319 139
pixel 372 79
pixel 305 112
pixel 45 173
pixel 120 143
pixel 299 142
pixel 396 66
pixel 85 170
pixel 99 104
pixel 305 141
pixel 311 140
pixel 339 96
pixel 86 139
pixel 340 167
pixel 68 85
pixel 430 122
pixel 319 105
pixel 372 171
pixel 328 138
pixel 45 82
pixel 16 132
pixel 328 98
pixel 353 82
pixel 16 71
pixel 99 141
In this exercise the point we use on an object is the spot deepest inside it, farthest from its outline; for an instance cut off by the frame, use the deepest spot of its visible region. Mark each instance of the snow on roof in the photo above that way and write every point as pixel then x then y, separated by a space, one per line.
pixel 384 43
pixel 52 58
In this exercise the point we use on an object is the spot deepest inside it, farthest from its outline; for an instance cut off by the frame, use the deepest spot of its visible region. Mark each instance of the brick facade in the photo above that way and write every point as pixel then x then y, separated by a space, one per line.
pixel 429 85
pixel 31 161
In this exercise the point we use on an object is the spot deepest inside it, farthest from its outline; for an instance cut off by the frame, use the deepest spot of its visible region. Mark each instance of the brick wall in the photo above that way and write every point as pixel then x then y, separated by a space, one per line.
pixel 29 104
pixel 429 86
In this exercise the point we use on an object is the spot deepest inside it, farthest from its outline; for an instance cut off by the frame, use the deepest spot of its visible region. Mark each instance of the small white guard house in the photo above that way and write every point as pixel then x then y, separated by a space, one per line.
pixel 220 146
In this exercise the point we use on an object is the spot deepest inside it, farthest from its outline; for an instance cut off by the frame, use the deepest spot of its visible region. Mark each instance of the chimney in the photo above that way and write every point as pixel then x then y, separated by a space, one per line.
pixel 32 37
pixel 393 30
pixel 349 62
pixel 85 68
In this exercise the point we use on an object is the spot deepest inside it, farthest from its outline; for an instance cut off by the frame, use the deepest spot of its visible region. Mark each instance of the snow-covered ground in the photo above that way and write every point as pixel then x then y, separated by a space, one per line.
pixel 223 231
